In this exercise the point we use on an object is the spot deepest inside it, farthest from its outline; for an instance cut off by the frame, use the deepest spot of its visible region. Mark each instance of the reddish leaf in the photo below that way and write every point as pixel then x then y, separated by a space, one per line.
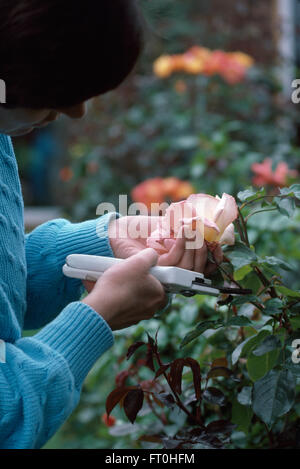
pixel 133 348
pixel 176 375
pixel 220 426
pixel 219 371
pixel 194 365
pixel 150 438
pixel 149 358
pixel 115 396
pixel 214 396
pixel 152 344
pixel 121 378
pixel 133 403
pixel 161 370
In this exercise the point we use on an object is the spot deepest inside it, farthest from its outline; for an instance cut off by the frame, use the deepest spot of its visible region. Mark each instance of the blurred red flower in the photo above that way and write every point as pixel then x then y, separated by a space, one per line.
pixel 108 421
pixel 66 174
pixel 159 190
pixel 264 175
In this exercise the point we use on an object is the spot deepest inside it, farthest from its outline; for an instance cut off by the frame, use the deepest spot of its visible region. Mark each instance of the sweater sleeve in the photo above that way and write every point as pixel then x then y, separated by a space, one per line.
pixel 48 289
pixel 41 377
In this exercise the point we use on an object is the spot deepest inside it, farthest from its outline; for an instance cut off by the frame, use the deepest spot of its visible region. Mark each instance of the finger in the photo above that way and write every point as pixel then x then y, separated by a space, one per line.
pixel 187 260
pixel 175 254
pixel 141 262
pixel 141 227
pixel 200 259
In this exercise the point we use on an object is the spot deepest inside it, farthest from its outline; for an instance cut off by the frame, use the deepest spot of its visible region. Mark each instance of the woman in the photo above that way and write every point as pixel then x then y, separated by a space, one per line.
pixel 54 57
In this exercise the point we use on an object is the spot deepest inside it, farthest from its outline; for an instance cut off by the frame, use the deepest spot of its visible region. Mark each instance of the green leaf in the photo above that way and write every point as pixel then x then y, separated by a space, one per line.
pixel 259 366
pixel 241 273
pixel 275 262
pixel 273 395
pixel 239 349
pixel 296 190
pixel 240 321
pixel 293 191
pixel 241 416
pixel 253 342
pixel 200 328
pixel 240 256
pixel 250 194
pixel 273 306
pixel 241 300
pixel 269 344
pixel 293 367
pixel 287 292
pixel 286 206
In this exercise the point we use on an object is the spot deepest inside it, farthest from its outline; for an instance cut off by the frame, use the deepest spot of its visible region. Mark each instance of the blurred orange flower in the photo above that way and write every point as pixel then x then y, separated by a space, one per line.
pixel 159 190
pixel 264 175
pixel 232 66
pixel 66 174
pixel 163 66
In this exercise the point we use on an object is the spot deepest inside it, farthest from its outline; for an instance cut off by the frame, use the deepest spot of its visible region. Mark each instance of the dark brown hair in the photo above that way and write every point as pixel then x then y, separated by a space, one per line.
pixel 59 53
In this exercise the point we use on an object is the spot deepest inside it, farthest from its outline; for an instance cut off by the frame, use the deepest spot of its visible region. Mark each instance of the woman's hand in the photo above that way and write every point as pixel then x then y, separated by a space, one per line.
pixel 127 294
pixel 128 236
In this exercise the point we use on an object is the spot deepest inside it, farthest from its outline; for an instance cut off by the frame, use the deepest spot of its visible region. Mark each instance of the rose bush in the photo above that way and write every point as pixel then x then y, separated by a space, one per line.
pixel 229 378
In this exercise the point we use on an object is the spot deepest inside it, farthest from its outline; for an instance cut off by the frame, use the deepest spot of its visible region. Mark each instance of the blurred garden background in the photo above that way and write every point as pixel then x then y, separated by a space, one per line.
pixel 195 111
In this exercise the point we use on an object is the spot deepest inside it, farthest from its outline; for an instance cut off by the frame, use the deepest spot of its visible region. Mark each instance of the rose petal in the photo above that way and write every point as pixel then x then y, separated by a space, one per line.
pixel 226 212
pixel 176 213
pixel 228 236
pixel 204 204
pixel 211 231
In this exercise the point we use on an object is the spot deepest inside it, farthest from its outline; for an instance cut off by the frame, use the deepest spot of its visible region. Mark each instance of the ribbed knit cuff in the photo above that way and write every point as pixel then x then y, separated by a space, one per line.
pixel 89 237
pixel 80 335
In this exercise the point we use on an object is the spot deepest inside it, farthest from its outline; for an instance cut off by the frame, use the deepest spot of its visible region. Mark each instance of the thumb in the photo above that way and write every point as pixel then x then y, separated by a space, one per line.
pixel 142 261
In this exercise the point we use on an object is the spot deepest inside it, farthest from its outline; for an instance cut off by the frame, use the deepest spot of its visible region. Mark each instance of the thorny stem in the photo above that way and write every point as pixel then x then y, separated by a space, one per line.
pixel 261 276
pixel 254 303
pixel 239 228
pixel 260 198
pixel 265 282
pixel 244 226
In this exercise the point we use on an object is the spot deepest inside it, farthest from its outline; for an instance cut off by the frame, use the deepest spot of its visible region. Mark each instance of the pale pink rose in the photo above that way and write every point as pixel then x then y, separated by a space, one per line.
pixel 207 217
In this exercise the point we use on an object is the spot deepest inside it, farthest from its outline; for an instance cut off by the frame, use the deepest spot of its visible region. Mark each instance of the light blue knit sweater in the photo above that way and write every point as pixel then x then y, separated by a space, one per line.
pixel 41 379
